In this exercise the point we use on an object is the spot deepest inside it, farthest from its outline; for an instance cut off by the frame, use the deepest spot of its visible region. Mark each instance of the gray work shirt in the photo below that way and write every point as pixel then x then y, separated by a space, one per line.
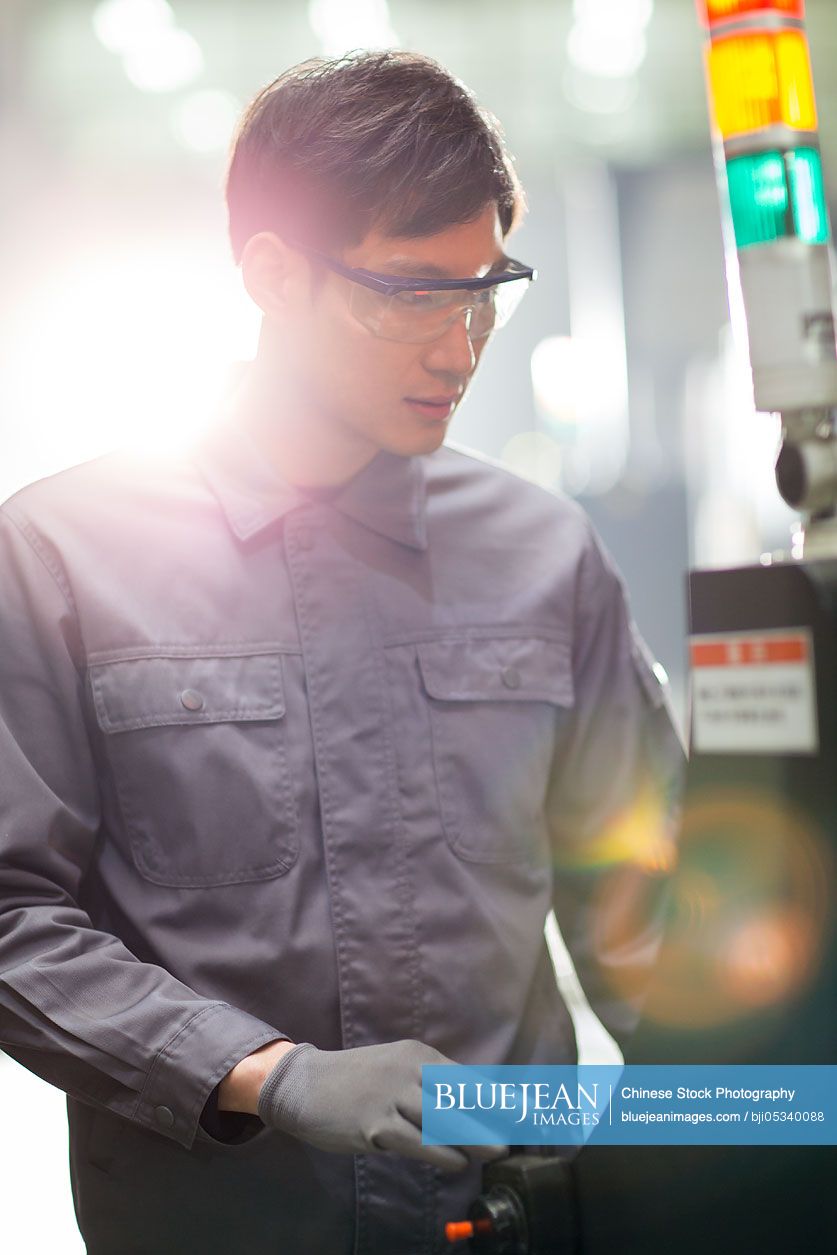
pixel 273 764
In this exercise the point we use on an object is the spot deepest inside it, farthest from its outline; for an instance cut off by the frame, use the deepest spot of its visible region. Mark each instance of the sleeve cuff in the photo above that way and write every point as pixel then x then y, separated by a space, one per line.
pixel 191 1065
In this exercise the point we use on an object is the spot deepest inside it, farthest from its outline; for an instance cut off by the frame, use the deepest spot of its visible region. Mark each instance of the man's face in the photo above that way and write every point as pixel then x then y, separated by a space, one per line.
pixel 394 396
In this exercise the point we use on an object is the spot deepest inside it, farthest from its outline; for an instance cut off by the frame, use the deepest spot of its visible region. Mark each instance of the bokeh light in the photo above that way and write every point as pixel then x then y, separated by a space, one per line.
pixel 606 53
pixel 124 25
pixel 560 371
pixel 157 55
pixel 606 47
pixel 534 455
pixel 171 60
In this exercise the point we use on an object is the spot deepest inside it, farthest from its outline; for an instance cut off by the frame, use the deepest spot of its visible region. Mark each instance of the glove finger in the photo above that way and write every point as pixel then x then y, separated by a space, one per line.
pixel 409 1106
pixel 486 1153
pixel 403 1138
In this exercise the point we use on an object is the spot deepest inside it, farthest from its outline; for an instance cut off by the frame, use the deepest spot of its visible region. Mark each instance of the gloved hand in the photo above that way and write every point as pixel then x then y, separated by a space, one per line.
pixel 359 1101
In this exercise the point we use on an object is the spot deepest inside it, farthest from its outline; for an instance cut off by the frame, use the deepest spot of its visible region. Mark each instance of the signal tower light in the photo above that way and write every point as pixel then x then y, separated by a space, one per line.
pixel 777 232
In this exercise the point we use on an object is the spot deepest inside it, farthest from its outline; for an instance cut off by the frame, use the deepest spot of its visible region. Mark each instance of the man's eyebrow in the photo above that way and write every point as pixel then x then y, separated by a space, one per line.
pixel 409 268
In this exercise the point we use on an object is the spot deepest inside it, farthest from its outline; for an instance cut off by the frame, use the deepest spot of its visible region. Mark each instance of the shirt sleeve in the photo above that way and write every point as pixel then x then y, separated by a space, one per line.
pixel 613 802
pixel 76 1006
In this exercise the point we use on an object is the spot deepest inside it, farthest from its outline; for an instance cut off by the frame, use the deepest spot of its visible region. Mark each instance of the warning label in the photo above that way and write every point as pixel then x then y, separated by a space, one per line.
pixel 754 693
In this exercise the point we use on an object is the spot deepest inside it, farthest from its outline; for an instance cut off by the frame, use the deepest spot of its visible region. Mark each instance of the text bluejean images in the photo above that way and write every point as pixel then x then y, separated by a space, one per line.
pixel 735 1105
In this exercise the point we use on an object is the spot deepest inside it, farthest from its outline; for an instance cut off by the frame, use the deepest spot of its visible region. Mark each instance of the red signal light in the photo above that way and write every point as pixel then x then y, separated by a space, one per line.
pixel 715 11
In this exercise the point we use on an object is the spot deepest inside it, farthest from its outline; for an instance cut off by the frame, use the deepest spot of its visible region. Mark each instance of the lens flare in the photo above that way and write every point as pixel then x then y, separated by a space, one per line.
pixel 767 958
pixel 140 346
pixel 750 911
pixel 641 836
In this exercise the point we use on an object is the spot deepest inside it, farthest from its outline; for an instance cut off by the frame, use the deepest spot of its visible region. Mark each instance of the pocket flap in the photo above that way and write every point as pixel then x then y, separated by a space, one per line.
pixel 151 692
pixel 510 669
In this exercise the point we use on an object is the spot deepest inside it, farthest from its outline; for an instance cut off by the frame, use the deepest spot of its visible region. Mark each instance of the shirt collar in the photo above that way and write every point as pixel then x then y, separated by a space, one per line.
pixel 388 495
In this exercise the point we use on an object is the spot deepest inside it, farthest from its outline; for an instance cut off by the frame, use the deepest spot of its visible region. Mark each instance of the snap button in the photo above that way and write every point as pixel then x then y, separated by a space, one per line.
pixel 191 699
pixel 511 677
pixel 164 1117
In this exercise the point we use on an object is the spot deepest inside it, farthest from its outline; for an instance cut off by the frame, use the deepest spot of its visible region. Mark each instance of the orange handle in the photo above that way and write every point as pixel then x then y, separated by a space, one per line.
pixel 459 1230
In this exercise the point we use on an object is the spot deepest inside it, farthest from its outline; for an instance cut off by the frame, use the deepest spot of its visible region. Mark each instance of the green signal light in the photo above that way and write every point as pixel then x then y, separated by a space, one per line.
pixel 774 195
pixel 758 193
pixel 810 212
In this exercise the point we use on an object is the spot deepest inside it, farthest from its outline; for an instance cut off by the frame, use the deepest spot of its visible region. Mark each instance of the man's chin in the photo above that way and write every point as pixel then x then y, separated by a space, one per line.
pixel 428 442
pixel 416 441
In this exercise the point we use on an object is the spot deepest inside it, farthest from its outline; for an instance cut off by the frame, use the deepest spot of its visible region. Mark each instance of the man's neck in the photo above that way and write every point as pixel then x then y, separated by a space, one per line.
pixel 303 447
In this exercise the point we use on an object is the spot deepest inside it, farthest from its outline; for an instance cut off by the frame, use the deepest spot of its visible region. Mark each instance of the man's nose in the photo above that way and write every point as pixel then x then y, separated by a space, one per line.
pixel 453 353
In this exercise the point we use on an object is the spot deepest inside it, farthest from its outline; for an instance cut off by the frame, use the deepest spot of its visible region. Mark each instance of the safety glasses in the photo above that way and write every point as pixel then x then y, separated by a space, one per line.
pixel 418 310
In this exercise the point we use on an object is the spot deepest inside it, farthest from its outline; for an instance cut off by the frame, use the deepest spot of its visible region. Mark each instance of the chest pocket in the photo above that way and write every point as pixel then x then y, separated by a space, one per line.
pixel 495 707
pixel 197 750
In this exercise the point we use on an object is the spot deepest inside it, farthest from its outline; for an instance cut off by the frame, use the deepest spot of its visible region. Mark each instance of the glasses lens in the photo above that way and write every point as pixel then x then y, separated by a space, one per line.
pixel 419 317
pixel 507 298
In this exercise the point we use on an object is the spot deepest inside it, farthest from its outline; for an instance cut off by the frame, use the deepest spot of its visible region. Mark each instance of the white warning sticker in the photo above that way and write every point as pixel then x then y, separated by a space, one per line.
pixel 754 693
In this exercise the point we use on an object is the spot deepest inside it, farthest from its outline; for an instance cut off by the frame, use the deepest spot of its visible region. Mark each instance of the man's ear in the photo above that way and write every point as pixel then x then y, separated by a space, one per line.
pixel 272 272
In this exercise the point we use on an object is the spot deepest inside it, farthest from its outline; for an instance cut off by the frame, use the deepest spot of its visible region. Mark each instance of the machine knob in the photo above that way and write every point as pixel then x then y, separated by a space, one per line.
pixel 496 1224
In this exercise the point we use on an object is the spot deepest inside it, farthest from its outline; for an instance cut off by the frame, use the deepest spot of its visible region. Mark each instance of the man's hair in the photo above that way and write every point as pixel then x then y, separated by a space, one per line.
pixel 388 140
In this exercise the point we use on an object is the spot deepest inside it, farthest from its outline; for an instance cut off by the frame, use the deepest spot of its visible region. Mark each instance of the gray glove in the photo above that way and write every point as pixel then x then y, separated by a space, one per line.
pixel 359 1101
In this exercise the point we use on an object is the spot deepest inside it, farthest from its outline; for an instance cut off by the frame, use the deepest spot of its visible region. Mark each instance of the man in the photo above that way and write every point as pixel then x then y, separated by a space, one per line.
pixel 304 733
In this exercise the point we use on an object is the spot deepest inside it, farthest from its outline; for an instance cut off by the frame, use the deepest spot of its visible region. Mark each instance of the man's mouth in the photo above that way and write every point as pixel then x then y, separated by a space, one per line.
pixel 438 408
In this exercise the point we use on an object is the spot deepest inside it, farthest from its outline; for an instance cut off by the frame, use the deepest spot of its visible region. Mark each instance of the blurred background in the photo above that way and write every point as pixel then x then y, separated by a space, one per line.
pixel 121 313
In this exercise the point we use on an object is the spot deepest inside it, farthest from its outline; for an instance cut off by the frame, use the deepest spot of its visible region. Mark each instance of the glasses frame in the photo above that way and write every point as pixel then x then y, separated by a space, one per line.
pixel 391 285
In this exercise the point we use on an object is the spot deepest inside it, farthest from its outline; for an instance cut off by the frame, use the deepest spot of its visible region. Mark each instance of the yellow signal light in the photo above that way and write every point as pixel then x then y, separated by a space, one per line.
pixel 761 79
